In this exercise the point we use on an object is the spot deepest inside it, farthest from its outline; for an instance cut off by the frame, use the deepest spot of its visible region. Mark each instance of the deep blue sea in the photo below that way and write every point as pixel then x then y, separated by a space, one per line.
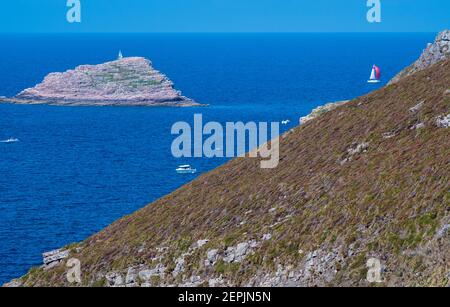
pixel 78 169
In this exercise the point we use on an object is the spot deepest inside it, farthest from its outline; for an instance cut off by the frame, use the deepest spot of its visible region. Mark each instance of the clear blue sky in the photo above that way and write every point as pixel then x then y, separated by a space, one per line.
pixel 223 16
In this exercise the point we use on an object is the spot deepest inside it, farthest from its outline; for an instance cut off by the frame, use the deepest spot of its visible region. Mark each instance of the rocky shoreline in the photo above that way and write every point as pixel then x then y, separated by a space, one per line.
pixel 125 82
pixel 435 52
pixel 321 110
pixel 102 103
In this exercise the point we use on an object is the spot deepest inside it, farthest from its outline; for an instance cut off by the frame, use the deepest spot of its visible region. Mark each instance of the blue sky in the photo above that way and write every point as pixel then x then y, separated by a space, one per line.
pixel 223 16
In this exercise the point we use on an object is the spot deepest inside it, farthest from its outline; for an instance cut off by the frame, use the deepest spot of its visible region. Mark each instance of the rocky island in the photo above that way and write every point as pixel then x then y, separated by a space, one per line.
pixel 130 81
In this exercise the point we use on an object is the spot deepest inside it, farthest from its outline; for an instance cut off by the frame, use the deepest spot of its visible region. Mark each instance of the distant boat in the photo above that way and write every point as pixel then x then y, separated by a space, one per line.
pixel 120 56
pixel 186 169
pixel 375 76
pixel 285 122
pixel 10 140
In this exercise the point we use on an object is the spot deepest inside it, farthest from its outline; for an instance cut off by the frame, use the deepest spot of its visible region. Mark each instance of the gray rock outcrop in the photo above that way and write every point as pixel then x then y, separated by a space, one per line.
pixel 321 110
pixel 435 52
pixel 443 121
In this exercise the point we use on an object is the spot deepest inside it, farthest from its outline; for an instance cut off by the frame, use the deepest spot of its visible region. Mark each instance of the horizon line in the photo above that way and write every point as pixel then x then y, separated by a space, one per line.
pixel 268 32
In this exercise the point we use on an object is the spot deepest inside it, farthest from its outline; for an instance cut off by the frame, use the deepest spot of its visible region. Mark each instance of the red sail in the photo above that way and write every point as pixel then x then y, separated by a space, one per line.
pixel 377 72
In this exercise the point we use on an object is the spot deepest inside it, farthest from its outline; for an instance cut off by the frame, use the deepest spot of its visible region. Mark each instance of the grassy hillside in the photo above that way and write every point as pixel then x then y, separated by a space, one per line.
pixel 368 179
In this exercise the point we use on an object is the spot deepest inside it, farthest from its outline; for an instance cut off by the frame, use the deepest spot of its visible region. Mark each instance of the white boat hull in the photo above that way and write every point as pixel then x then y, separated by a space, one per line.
pixel 186 171
pixel 10 141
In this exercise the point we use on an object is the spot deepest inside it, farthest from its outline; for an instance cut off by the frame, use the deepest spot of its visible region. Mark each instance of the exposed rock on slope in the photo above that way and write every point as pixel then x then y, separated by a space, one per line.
pixel 313 220
pixel 435 52
pixel 321 110
pixel 128 81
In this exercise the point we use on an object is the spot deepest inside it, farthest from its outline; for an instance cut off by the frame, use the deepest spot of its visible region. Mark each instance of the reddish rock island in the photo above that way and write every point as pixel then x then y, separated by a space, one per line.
pixel 128 81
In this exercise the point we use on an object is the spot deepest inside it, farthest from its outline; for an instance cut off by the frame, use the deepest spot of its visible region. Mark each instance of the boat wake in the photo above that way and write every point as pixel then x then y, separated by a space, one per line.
pixel 11 140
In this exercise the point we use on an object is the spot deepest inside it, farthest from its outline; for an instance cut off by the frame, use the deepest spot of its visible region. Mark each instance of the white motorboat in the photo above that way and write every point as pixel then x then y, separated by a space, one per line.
pixel 186 169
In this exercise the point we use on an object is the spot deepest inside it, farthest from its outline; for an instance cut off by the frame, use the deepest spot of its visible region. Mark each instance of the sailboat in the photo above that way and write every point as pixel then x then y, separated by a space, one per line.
pixel 375 76
pixel 120 56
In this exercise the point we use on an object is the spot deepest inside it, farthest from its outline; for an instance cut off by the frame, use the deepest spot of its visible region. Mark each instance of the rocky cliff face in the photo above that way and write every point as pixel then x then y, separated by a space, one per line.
pixel 368 179
pixel 435 52
pixel 128 81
